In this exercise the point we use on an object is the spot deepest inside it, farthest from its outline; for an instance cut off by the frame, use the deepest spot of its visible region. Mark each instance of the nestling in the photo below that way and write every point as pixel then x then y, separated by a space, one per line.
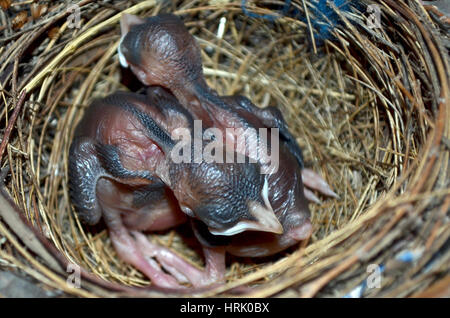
pixel 160 51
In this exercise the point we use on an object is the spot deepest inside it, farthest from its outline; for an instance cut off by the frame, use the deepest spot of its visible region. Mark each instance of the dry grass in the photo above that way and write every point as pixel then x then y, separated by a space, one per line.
pixel 370 110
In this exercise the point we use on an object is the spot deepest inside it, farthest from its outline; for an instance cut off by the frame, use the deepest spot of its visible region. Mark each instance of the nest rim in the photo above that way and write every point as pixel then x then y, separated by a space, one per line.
pixel 331 265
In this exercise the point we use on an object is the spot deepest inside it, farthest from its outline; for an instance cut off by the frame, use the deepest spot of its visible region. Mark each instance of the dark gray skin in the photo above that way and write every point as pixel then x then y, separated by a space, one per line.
pixel 121 168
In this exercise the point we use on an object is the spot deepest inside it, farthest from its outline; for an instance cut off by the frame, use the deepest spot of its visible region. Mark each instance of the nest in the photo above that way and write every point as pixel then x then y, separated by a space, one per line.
pixel 368 105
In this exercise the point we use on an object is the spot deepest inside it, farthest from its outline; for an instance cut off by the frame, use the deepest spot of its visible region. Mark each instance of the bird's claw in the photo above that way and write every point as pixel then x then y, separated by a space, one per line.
pixel 314 181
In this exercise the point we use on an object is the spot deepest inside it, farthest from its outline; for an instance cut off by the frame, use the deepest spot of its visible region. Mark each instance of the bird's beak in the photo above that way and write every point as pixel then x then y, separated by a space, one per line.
pixel 126 22
pixel 122 59
pixel 266 221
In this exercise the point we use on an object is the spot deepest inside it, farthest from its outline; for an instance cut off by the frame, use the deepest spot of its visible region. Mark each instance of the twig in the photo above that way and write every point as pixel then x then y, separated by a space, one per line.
pixel 11 122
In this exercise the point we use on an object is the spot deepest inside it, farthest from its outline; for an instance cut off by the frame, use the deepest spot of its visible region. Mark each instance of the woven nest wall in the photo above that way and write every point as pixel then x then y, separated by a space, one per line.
pixel 369 107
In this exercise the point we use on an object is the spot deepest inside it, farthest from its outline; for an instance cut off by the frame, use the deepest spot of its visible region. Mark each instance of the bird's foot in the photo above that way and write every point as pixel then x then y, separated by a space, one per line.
pixel 312 180
pixel 181 269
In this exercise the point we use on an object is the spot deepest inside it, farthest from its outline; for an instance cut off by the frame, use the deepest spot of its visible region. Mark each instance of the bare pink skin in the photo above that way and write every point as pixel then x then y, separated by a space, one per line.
pixel 185 272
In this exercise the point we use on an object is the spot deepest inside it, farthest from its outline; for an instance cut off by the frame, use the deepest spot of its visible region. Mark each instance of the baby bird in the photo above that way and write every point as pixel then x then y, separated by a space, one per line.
pixel 160 51
pixel 124 167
